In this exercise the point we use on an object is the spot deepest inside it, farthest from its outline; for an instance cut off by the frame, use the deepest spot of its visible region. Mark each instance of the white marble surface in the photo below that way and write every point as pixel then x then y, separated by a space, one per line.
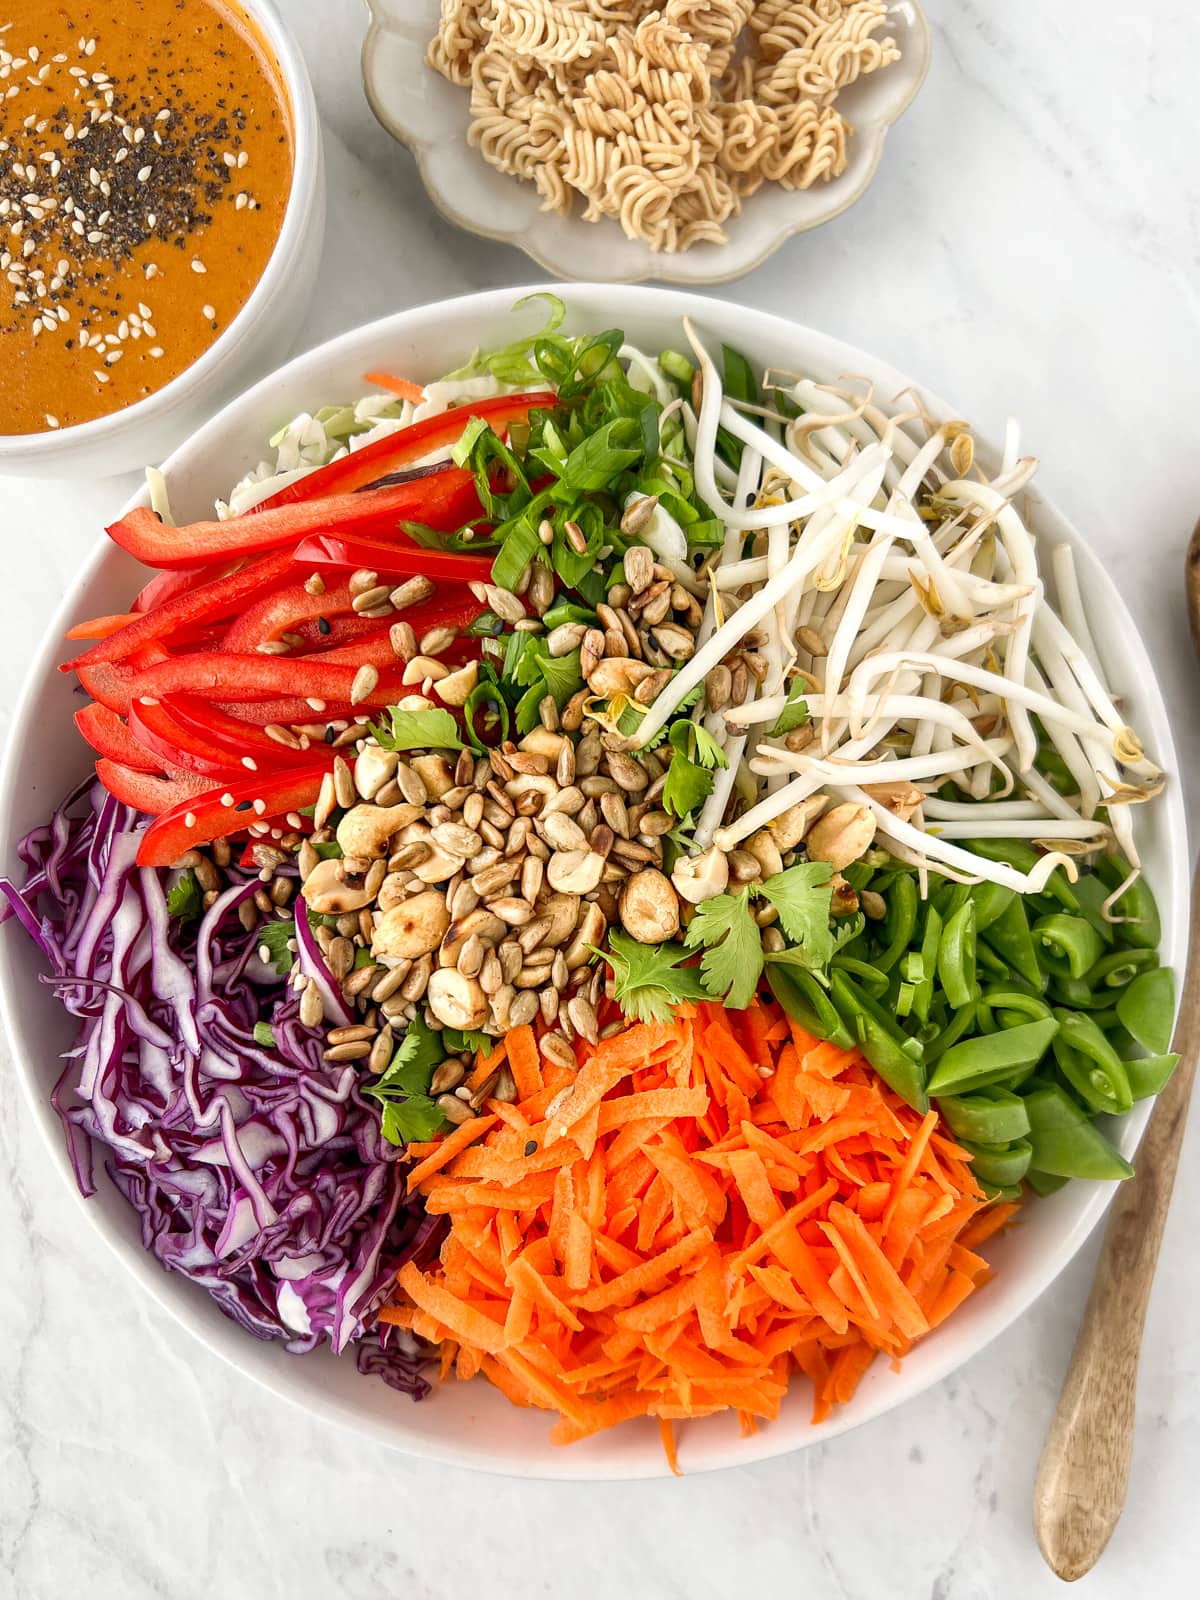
pixel 1031 243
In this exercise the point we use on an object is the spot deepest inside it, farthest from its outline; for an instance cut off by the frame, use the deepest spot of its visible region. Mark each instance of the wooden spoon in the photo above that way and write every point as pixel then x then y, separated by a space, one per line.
pixel 1084 1470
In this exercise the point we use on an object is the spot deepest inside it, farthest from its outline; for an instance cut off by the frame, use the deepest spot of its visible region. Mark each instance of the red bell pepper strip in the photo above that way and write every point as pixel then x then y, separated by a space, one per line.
pixel 147 793
pixel 225 676
pixel 197 605
pixel 216 813
pixel 443 501
pixel 323 550
pixel 280 612
pixel 374 461
pixel 164 586
pixel 194 744
pixel 109 681
pixel 180 747
pixel 108 736
pixel 290 709
pixel 240 738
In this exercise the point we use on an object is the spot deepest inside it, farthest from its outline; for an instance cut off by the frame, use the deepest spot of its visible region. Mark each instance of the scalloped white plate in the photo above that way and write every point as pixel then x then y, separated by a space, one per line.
pixel 471 1424
pixel 420 109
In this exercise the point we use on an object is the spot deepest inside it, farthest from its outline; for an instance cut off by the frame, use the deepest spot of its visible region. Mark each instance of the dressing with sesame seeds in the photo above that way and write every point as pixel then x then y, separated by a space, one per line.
pixel 145 164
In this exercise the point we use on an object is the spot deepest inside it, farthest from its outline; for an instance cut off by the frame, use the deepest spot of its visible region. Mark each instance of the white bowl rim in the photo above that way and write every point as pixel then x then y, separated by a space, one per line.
pixel 19 450
pixel 658 266
pixel 176 1298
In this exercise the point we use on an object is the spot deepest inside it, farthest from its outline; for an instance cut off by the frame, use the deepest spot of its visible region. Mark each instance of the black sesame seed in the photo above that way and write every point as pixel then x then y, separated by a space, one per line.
pixel 243 805
pixel 531 1148
pixel 323 625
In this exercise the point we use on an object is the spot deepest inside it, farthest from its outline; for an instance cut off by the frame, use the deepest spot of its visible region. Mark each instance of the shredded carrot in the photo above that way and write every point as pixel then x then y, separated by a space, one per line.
pixel 404 387
pixel 716 1203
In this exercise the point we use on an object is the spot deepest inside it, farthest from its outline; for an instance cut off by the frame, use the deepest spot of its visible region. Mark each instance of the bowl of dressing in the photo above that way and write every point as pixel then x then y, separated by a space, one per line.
pixel 161 219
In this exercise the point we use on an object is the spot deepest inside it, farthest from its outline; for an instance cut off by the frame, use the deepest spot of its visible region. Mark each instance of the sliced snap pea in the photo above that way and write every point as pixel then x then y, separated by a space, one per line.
pixel 991 900
pixel 1003 1165
pixel 1024 858
pixel 903 903
pixel 1010 938
pixel 895 1057
pixel 986 959
pixel 1147 1008
pixel 805 1001
pixel 930 941
pixel 1067 944
pixel 1009 1000
pixel 994 1117
pixel 1090 1064
pixel 1077 993
pixel 1065 1142
pixel 1149 1075
pixel 1143 926
pixel 1044 1183
pixel 976 1062
pixel 956 957
pixel 945 1030
pixel 867 972
pixel 1120 967
pixel 994 1192
pixel 1091 892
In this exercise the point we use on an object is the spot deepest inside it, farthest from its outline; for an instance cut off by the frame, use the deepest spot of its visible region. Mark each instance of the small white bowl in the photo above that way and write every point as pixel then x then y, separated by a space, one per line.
pixel 420 109
pixel 471 1424
pixel 261 334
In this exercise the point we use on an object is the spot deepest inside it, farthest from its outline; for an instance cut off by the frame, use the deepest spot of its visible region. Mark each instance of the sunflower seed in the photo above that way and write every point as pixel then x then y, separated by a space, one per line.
pixel 312 1007
pixel 412 592
pixel 555 1048
pixel 447 1076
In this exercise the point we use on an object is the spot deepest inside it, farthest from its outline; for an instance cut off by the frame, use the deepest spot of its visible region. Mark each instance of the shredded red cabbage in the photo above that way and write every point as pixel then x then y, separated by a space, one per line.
pixel 258 1172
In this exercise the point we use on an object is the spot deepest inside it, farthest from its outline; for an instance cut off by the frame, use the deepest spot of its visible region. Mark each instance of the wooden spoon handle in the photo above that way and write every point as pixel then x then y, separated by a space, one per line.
pixel 1084 1469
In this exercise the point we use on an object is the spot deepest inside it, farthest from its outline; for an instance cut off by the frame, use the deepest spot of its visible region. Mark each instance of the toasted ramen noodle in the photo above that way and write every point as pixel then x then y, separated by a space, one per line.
pixel 661 114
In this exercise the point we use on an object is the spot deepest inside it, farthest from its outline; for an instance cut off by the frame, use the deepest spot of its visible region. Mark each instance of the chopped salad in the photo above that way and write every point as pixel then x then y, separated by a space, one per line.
pixel 606 871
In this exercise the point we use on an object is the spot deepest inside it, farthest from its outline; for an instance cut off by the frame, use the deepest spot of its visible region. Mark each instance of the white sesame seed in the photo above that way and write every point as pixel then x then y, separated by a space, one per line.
pixel 156 351
pixel 260 808
pixel 208 312
pixel 198 265
pixel 227 798
pixel 51 420
pixel 239 203
pixel 243 158
pixel 163 116
pixel 143 173
pixel 189 819
pixel 250 764
pixel 229 158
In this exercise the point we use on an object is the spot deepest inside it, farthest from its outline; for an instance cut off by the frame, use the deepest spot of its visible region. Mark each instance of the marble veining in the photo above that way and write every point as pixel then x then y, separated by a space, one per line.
pixel 1030 244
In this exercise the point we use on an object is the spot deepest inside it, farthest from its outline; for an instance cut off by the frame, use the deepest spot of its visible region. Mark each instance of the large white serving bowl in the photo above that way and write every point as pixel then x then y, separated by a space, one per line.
pixel 471 1424
pixel 260 335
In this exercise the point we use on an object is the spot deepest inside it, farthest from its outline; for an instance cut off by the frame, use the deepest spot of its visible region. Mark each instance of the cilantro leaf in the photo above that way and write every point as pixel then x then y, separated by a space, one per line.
pixel 274 937
pixel 689 776
pixel 411 1069
pixel 185 898
pixel 648 982
pixel 802 895
pixel 418 730
pixel 688 786
pixel 795 711
pixel 706 749
pixel 413 1120
pixel 456 1041
pixel 733 956
pixel 263 1035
